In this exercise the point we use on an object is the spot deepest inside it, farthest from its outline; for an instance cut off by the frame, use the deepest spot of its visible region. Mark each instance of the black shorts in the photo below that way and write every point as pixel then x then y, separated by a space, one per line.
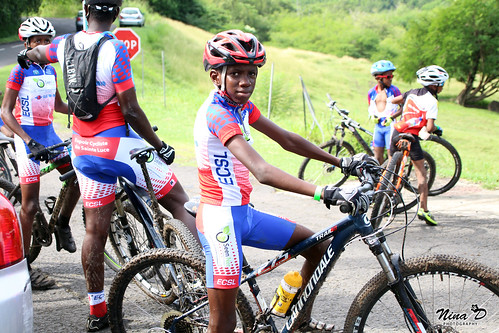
pixel 416 152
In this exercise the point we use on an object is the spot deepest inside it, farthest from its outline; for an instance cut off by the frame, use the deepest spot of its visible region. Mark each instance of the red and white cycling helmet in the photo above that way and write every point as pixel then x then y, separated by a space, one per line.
pixel 35 26
pixel 233 47
pixel 432 75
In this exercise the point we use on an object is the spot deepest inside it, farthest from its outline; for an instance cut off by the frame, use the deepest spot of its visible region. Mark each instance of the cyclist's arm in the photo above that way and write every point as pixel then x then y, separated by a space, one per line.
pixel 293 142
pixel 38 54
pixel 398 99
pixel 8 104
pixel 59 105
pixel 135 116
pixel 430 125
pixel 264 172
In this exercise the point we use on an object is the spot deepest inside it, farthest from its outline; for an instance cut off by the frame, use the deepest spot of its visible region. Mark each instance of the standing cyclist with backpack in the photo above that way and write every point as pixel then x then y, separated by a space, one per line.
pixel 418 118
pixel 120 127
pixel 33 95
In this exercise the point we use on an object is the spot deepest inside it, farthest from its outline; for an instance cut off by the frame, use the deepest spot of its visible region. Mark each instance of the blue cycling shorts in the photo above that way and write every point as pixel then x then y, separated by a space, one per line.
pixel 382 135
pixel 223 230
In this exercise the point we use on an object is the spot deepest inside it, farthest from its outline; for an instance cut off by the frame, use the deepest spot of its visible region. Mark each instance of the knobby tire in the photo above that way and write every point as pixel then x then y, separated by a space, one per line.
pixel 132 310
pixel 456 294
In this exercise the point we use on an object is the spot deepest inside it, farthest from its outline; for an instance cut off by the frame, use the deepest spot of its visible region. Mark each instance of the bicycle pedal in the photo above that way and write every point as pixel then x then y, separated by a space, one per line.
pixel 50 203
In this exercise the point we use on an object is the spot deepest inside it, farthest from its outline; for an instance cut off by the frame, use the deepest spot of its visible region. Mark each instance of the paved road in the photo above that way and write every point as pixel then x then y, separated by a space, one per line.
pixel 9 51
pixel 468 227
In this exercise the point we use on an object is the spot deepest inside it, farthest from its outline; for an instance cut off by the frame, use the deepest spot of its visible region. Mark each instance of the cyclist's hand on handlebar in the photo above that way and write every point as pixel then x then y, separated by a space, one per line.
pixel 438 131
pixel 39 151
pixel 358 201
pixel 349 165
pixel 167 153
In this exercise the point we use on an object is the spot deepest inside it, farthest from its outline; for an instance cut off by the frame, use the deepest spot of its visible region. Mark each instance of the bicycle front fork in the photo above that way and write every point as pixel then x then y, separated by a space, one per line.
pixel 402 290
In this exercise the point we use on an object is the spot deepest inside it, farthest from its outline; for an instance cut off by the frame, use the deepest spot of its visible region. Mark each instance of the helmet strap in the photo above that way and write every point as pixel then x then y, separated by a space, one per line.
pixel 223 75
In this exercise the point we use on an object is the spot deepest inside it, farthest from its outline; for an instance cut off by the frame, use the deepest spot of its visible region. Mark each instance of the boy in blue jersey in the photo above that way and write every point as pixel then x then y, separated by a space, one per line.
pixel 381 110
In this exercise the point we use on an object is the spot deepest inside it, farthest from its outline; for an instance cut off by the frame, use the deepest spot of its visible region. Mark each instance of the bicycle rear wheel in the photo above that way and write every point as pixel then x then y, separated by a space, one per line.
pixel 456 295
pixel 130 310
pixel 321 173
pixel 448 164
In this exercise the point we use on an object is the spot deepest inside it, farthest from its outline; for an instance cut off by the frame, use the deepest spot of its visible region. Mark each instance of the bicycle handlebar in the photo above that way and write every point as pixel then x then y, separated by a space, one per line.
pixel 52 149
pixel 366 186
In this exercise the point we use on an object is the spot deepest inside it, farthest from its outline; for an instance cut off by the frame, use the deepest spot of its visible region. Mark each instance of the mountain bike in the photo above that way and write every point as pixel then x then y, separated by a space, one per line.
pixel 42 229
pixel 138 223
pixel 447 171
pixel 394 193
pixel 431 293
pixel 132 224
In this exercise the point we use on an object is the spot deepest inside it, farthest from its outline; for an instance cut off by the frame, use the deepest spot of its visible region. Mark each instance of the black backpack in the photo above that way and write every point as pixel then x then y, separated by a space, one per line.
pixel 80 67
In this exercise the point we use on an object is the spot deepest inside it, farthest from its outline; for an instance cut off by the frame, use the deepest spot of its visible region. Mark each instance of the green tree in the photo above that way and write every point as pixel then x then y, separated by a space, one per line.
pixel 10 19
pixel 464 39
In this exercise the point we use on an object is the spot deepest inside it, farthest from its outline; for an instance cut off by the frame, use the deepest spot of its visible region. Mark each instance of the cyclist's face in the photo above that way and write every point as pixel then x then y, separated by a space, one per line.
pixel 35 41
pixel 386 78
pixel 240 82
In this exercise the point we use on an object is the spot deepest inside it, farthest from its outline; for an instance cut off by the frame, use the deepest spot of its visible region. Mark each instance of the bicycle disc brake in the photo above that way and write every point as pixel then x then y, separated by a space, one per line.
pixel 41 231
pixel 182 326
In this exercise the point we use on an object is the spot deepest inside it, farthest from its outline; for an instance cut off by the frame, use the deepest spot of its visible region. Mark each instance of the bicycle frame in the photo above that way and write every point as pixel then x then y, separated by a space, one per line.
pixel 340 234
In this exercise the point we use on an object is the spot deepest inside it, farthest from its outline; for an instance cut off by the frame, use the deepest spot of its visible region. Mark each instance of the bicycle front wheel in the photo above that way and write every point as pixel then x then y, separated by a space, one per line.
pixel 130 310
pixel 456 295
pixel 321 173
pixel 448 162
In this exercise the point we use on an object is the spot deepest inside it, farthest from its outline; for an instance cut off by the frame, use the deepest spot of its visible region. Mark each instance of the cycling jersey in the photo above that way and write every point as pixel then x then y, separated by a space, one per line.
pixel 223 179
pixel 114 75
pixel 37 88
pixel 390 108
pixel 101 148
pixel 382 134
pixel 419 106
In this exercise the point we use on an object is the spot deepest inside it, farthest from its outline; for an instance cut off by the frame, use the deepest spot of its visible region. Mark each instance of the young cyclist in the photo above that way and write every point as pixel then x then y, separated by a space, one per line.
pixel 33 95
pixel 418 118
pixel 225 158
pixel 98 170
pixel 381 109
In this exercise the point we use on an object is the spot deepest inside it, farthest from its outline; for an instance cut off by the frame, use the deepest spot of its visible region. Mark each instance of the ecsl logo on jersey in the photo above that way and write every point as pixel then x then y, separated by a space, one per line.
pixel 25 106
pixel 39 82
pixel 223 172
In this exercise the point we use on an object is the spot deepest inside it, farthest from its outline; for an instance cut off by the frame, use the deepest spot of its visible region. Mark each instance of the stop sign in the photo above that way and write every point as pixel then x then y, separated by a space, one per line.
pixel 131 40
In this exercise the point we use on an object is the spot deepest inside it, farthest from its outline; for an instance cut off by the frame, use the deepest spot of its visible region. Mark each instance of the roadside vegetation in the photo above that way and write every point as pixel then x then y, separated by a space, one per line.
pixel 347 79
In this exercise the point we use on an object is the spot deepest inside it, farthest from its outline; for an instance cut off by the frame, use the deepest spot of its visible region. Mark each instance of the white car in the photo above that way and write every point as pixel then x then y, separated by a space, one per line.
pixel 131 16
pixel 16 299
